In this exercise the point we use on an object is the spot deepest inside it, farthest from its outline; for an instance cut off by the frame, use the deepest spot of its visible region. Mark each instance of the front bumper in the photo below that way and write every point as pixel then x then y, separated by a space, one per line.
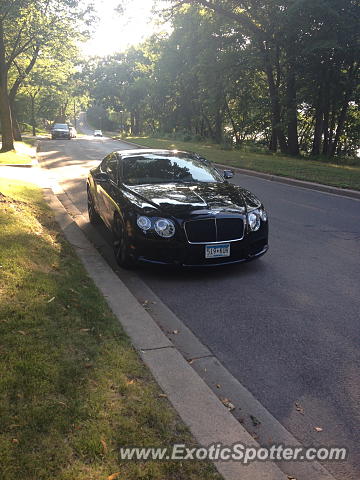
pixel 174 252
pixel 60 135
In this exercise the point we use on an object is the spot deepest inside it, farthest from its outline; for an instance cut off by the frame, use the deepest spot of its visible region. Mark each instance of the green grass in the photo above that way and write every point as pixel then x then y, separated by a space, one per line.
pixel 21 155
pixel 72 388
pixel 313 171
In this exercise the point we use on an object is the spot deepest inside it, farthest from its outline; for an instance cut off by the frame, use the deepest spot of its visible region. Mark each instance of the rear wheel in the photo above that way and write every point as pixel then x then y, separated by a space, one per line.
pixel 121 244
pixel 94 217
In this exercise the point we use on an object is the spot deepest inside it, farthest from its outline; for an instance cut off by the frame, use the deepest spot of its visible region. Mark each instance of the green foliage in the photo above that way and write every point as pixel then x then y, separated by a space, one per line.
pixel 39 39
pixel 282 75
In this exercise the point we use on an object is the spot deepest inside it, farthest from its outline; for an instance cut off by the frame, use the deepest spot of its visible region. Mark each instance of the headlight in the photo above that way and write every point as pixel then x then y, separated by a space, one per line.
pixel 164 227
pixel 254 220
pixel 144 223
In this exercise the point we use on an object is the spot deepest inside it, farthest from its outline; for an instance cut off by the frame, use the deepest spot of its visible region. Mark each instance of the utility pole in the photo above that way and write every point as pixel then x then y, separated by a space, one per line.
pixel 75 113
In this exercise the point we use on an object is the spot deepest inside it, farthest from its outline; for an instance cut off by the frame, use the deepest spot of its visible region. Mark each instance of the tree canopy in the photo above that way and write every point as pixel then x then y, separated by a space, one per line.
pixel 281 73
pixel 30 31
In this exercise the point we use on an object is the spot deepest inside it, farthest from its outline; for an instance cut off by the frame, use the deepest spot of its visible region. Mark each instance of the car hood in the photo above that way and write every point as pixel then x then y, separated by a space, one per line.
pixel 192 199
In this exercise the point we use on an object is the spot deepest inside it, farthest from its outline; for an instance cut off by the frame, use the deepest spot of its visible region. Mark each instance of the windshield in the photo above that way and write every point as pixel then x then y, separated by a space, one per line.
pixel 167 168
pixel 61 126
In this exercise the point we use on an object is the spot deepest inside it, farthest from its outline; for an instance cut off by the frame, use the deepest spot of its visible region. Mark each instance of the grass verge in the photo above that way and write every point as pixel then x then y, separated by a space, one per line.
pixel 72 388
pixel 21 155
pixel 343 176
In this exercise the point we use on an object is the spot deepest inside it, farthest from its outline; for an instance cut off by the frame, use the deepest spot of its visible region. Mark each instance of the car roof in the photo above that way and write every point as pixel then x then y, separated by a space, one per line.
pixel 144 151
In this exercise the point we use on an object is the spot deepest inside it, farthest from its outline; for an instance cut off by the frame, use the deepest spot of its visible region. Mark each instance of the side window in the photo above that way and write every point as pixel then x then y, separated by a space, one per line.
pixel 110 166
pixel 104 163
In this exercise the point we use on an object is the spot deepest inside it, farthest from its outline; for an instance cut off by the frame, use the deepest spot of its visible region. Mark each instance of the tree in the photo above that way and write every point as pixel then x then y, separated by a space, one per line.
pixel 26 29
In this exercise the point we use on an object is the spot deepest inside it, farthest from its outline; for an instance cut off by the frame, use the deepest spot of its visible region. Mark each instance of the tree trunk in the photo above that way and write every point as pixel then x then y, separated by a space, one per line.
pixel 210 132
pixel 344 109
pixel 277 134
pixel 318 124
pixel 326 110
pixel 33 119
pixel 132 123
pixel 291 114
pixel 218 130
pixel 15 125
pixel 14 90
pixel 326 131
pixel 233 124
pixel 16 129
pixel 5 113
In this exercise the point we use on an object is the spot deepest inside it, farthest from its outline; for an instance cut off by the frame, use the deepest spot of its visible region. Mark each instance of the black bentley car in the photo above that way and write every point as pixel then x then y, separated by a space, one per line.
pixel 172 207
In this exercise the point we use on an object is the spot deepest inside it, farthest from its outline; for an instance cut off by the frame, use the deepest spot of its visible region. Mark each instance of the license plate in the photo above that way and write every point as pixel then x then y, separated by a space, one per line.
pixel 216 251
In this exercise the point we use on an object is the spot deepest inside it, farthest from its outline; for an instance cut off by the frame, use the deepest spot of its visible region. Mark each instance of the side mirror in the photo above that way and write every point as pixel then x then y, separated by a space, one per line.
pixel 101 177
pixel 228 174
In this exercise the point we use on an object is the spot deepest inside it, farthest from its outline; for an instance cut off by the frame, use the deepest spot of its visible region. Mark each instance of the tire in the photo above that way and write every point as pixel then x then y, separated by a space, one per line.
pixel 121 245
pixel 94 217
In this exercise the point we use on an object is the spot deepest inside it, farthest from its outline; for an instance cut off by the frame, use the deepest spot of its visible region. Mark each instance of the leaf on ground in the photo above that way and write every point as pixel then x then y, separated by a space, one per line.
pixel 162 395
pixel 255 421
pixel 113 476
pixel 299 408
pixel 230 406
pixel 51 300
pixel 15 440
pixel 175 332
pixel 84 329
pixel 104 445
pixel 290 477
pixel 218 385
pixel 318 429
pixel 21 332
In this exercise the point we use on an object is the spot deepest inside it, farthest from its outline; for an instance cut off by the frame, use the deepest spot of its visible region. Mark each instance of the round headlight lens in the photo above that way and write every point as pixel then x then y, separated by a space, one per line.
pixel 144 223
pixel 263 215
pixel 164 227
pixel 254 220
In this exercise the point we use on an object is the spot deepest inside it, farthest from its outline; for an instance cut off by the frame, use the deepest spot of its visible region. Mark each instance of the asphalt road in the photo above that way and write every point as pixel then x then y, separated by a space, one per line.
pixel 286 326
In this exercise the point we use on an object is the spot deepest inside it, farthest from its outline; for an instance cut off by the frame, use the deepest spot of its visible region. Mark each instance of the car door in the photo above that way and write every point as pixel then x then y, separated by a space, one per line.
pixel 109 188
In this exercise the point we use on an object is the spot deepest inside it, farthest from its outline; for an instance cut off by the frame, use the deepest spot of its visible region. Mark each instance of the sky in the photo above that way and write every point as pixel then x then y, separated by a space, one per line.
pixel 115 32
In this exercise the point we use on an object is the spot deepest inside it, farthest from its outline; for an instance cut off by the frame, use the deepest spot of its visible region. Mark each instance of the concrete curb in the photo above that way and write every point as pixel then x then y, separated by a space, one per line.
pixel 207 418
pixel 276 178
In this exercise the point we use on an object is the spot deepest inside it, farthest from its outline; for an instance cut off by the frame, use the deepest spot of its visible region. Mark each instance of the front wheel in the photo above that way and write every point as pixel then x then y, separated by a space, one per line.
pixel 121 244
pixel 94 217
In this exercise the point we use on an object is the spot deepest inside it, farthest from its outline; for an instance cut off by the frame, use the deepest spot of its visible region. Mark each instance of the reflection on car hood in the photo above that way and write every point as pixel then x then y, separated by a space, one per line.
pixel 192 199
